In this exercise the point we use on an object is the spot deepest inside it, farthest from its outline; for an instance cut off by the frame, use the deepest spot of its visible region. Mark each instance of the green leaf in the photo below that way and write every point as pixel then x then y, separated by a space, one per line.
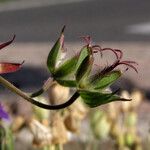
pixel 55 53
pixel 84 70
pixel 106 80
pixel 66 68
pixel 94 99
pixel 67 83
pixel 82 55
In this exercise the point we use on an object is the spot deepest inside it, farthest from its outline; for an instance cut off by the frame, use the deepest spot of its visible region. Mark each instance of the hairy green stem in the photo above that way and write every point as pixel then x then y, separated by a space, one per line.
pixel 24 95
pixel 45 87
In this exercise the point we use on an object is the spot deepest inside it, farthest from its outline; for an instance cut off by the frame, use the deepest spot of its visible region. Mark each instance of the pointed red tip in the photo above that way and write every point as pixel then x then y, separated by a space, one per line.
pixel 63 29
pixel 7 43
pixel 9 67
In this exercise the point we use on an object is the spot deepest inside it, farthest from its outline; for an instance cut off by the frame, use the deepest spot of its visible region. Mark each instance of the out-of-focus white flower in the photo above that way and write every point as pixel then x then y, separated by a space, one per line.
pixel 41 134
pixel 58 94
pixel 136 97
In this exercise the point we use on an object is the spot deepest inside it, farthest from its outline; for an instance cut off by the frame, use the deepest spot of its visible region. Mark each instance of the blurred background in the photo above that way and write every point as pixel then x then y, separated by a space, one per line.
pixel 120 24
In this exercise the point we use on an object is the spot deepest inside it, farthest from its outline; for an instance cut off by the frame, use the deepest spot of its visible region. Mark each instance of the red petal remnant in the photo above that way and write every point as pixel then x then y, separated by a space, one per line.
pixel 118 53
pixel 94 48
pixel 7 43
pixel 62 38
pixel 114 51
pixel 129 64
pixel 118 62
pixel 6 67
pixel 87 39
pixel 9 67
pixel 97 48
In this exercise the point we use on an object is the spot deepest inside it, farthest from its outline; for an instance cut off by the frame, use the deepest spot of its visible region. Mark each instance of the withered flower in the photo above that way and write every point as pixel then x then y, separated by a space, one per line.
pixel 7 67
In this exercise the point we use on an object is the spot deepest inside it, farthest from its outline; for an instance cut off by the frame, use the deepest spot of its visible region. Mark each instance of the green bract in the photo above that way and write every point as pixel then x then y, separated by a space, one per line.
pixel 100 82
pixel 76 72
pixel 94 99
pixel 83 71
pixel 65 73
pixel 55 53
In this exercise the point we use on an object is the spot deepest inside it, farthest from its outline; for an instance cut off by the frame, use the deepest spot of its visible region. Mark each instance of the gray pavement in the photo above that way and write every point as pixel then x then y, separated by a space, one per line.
pixel 12 5
pixel 105 20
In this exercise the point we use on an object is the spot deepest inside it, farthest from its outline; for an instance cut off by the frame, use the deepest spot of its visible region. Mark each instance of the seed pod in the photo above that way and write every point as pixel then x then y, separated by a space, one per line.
pixel 125 105
pixel 72 123
pixel 131 119
pixel 58 94
pixel 129 139
pixel 115 130
pixel 120 142
pixel 113 111
pixel 100 125
pixel 42 135
pixel 59 132
pixel 75 113
pixel 17 123
pixel 137 97
pixel 78 109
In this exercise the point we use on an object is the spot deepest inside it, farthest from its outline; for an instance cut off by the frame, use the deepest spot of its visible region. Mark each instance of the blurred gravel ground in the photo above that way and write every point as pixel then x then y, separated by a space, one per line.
pixel 34 71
